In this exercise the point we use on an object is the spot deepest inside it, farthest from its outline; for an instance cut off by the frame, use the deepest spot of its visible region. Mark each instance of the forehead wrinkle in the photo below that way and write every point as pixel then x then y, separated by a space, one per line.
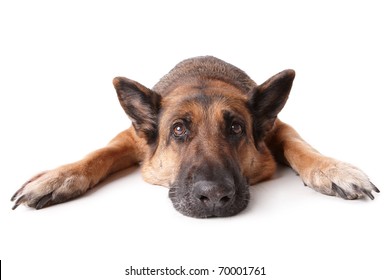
pixel 234 105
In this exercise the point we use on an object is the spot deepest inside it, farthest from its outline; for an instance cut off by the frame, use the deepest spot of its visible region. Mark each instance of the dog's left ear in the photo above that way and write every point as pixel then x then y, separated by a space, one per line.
pixel 141 105
pixel 268 99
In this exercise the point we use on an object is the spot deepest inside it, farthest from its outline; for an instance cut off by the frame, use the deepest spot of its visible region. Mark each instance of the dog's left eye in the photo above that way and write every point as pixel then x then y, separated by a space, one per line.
pixel 179 130
pixel 236 128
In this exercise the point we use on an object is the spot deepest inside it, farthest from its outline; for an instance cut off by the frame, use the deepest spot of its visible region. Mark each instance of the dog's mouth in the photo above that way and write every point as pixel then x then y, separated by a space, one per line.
pixel 205 199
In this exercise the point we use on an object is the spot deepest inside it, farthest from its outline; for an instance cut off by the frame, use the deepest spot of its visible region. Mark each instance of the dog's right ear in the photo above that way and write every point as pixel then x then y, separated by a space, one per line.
pixel 141 105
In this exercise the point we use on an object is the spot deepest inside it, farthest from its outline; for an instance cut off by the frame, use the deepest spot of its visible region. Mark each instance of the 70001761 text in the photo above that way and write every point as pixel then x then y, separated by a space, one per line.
pixel 237 270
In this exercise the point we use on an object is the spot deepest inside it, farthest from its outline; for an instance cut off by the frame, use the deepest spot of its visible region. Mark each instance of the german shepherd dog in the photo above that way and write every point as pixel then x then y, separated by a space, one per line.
pixel 207 131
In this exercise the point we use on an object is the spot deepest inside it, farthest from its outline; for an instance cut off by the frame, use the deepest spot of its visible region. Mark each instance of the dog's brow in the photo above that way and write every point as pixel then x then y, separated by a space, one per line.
pixel 230 115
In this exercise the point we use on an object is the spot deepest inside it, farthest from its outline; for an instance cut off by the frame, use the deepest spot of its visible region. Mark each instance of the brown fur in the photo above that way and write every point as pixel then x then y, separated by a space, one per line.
pixel 209 167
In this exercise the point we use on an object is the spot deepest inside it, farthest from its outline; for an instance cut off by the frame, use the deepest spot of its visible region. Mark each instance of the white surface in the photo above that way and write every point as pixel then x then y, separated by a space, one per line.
pixel 57 104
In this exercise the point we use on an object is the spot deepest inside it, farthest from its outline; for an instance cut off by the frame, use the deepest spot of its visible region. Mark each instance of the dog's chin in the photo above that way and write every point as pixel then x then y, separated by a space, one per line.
pixel 189 206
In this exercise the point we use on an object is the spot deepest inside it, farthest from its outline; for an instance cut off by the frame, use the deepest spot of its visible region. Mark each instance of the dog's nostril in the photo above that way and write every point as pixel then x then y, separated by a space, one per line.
pixel 203 198
pixel 224 200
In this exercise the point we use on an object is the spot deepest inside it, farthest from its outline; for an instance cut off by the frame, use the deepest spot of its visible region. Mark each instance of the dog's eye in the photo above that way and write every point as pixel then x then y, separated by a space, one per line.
pixel 236 128
pixel 179 130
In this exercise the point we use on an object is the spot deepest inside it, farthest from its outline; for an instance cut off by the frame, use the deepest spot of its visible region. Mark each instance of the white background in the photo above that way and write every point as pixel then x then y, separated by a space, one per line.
pixel 57 60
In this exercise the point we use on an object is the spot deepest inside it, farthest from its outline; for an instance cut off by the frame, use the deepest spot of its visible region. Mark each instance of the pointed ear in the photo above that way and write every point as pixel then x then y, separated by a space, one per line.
pixel 141 105
pixel 268 99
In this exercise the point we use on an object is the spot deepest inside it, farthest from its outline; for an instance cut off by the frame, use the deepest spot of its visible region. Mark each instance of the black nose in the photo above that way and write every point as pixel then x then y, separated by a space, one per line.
pixel 213 195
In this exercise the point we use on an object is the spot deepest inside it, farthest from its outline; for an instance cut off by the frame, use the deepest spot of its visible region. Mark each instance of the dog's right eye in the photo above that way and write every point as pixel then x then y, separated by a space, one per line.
pixel 179 130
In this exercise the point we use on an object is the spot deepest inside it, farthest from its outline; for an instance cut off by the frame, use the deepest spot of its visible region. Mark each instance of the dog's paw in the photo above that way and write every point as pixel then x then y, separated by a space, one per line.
pixel 338 178
pixel 51 187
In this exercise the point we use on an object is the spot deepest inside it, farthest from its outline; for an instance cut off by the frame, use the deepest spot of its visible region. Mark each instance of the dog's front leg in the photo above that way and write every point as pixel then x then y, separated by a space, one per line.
pixel 72 180
pixel 326 175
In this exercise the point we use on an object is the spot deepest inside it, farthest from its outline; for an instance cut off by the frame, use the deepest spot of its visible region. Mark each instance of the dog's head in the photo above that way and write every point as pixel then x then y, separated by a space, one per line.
pixel 205 139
